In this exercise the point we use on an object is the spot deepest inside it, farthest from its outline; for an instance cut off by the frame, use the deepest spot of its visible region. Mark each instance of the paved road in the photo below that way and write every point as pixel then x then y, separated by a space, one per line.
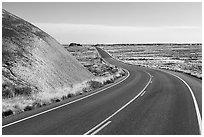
pixel 147 102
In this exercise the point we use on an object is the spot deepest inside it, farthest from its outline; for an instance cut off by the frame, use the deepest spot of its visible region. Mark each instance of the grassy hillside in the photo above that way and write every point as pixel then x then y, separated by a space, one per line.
pixel 33 61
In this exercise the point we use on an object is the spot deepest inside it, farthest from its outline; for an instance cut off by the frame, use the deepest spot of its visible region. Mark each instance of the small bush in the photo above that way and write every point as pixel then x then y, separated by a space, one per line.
pixel 44 104
pixel 7 90
pixel 7 113
pixel 80 93
pixel 109 81
pixel 69 95
pixel 23 91
pixel 95 84
pixel 36 105
pixel 63 97
pixel 7 93
pixel 86 89
pixel 123 74
pixel 114 70
pixel 27 108
pixel 55 100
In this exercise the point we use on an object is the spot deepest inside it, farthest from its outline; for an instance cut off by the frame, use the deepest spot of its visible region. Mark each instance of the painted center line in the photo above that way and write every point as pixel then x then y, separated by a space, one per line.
pixel 100 128
pixel 116 112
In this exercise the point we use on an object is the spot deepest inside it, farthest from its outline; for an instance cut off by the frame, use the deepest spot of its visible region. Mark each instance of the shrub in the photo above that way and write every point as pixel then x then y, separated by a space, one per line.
pixel 7 93
pixel 55 100
pixel 7 113
pixel 86 89
pixel 7 90
pixel 123 73
pixel 63 97
pixel 109 81
pixel 69 95
pixel 27 108
pixel 114 70
pixel 80 93
pixel 95 84
pixel 23 91
pixel 36 105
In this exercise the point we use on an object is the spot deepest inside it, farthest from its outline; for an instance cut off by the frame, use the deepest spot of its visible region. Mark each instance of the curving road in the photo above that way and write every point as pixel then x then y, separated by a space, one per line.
pixel 147 102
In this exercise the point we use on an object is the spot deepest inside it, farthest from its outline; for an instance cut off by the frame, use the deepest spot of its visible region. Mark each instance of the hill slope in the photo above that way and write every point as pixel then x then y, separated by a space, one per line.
pixel 33 60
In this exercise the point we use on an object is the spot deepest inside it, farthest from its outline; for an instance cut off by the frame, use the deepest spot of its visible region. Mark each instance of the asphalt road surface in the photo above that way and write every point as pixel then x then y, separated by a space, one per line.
pixel 147 102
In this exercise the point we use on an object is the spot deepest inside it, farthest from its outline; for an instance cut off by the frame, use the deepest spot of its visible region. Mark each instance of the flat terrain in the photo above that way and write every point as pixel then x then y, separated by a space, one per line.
pixel 185 58
pixel 148 102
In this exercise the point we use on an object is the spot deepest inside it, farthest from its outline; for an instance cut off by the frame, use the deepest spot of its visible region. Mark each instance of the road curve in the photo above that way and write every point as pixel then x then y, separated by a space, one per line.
pixel 147 102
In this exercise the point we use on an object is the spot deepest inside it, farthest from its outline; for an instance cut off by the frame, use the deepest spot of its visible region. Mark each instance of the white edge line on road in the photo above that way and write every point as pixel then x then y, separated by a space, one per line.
pixel 91 130
pixel 194 100
pixel 66 103
pixel 192 94
pixel 143 93
pixel 102 127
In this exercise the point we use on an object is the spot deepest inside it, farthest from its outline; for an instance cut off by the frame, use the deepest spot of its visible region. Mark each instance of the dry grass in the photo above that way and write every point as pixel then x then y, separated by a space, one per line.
pixel 19 103
pixel 16 103
pixel 60 92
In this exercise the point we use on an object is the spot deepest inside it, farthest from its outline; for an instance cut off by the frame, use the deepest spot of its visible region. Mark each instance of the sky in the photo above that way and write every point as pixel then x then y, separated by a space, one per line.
pixel 114 22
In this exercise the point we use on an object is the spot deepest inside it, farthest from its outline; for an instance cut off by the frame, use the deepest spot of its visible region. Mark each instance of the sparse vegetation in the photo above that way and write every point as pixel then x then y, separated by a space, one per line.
pixel 17 99
pixel 95 84
pixel 10 90
pixel 18 104
pixel 185 58
pixel 37 70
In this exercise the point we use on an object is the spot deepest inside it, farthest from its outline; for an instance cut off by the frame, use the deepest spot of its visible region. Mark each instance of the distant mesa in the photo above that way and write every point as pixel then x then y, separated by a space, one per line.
pixel 33 60
pixel 74 44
